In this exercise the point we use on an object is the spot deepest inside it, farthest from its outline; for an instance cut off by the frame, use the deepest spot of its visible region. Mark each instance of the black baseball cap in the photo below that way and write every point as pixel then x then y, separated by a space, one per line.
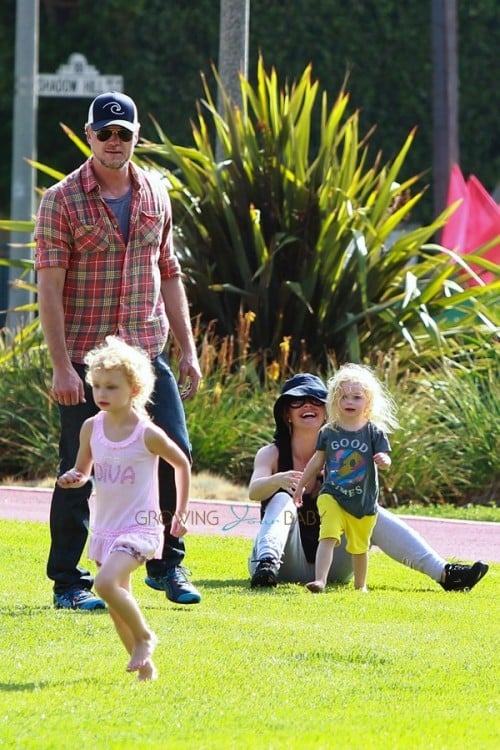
pixel 113 108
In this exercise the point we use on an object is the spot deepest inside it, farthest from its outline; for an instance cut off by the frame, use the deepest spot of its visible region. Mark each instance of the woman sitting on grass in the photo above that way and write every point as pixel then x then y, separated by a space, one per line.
pixel 123 446
pixel 287 540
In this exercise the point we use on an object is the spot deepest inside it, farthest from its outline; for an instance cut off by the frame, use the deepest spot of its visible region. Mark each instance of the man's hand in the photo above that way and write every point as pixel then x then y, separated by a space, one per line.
pixel 67 387
pixel 189 376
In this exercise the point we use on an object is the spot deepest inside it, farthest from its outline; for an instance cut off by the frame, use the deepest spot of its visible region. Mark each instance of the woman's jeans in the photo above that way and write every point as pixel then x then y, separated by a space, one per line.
pixel 69 512
pixel 279 538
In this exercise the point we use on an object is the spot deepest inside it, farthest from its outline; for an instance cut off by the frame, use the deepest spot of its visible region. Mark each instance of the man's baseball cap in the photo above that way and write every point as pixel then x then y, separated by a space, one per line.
pixel 113 108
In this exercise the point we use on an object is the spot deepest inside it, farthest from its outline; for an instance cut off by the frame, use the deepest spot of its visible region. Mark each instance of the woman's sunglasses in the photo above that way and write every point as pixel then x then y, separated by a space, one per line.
pixel 297 403
pixel 106 133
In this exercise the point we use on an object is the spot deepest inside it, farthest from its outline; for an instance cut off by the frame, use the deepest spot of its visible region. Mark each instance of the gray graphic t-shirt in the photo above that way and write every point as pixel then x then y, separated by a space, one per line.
pixel 351 475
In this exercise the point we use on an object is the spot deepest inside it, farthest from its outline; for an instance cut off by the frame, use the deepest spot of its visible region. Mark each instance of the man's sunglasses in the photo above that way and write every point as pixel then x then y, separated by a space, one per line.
pixel 106 133
pixel 298 403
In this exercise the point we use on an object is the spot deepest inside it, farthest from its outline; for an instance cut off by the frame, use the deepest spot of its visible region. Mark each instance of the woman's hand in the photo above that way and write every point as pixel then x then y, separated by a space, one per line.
pixel 297 496
pixel 288 480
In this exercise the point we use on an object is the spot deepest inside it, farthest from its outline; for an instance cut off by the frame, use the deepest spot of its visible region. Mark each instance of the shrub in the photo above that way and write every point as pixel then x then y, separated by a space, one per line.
pixel 303 236
pixel 445 451
pixel 29 419
pixel 448 448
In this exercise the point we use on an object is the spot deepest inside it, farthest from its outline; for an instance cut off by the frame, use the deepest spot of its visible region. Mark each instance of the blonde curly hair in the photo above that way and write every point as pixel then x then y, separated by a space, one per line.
pixel 381 407
pixel 116 354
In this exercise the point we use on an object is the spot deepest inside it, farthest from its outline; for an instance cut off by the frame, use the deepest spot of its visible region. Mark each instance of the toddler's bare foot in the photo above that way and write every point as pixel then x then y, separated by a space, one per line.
pixel 143 651
pixel 315 587
pixel 148 671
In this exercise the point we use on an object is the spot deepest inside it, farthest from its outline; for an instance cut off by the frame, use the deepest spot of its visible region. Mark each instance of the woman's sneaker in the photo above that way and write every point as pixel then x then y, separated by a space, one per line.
pixel 463 577
pixel 78 599
pixel 266 574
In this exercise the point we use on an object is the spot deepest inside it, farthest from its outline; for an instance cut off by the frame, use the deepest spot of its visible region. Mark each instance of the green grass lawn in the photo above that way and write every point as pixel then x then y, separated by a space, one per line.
pixel 405 666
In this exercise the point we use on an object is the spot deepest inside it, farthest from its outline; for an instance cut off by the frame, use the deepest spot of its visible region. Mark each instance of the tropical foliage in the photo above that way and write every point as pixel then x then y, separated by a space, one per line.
pixel 312 242
pixel 297 258
pixel 305 238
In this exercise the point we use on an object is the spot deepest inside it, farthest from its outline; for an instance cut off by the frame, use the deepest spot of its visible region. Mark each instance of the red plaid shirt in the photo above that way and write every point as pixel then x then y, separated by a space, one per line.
pixel 110 287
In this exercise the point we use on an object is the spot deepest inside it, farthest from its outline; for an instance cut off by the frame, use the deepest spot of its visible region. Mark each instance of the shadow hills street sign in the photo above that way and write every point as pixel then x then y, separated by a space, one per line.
pixel 77 78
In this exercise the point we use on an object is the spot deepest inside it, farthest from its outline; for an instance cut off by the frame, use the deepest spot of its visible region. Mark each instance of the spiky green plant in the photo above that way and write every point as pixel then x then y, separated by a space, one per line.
pixel 302 235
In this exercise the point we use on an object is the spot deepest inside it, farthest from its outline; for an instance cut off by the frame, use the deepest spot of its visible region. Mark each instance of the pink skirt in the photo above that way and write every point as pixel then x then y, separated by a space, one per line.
pixel 142 545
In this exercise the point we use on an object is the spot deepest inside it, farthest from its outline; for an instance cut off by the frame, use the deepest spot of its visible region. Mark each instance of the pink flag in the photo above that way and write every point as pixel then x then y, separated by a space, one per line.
pixel 483 224
pixel 475 222
pixel 453 233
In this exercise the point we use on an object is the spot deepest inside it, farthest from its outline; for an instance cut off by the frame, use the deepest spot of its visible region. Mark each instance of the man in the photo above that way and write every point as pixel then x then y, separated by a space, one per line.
pixel 106 265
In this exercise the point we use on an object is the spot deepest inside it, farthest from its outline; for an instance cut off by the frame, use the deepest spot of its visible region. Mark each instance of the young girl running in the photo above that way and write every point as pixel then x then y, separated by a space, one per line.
pixel 123 445
pixel 349 448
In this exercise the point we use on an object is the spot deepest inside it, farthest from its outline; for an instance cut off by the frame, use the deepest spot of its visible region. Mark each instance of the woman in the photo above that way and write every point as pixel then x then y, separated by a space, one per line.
pixel 285 546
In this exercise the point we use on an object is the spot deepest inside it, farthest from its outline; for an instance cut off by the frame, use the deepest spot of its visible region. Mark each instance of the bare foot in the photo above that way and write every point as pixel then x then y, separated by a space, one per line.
pixel 143 651
pixel 148 671
pixel 315 587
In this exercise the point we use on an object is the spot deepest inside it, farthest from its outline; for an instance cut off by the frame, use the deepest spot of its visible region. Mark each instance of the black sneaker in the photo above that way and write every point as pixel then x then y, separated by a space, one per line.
pixel 266 574
pixel 463 577
pixel 78 599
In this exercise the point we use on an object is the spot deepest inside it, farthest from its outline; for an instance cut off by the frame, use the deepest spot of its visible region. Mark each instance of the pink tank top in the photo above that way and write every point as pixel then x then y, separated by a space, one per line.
pixel 126 481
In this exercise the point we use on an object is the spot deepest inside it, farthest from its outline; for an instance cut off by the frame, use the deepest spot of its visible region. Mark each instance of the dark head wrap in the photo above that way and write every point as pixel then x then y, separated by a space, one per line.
pixel 300 386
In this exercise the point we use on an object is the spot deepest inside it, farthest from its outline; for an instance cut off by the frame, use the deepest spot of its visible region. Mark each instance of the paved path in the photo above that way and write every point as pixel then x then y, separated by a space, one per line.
pixel 461 540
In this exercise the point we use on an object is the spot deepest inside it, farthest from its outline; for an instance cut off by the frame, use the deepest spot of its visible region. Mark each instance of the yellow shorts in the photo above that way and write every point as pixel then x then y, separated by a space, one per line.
pixel 336 521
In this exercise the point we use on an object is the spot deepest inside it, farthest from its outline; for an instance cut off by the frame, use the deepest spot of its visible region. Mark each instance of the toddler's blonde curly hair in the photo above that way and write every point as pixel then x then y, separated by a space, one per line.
pixel 381 407
pixel 116 354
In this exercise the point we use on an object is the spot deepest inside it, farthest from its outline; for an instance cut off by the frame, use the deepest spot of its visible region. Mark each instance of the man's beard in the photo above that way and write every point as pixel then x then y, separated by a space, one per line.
pixel 113 164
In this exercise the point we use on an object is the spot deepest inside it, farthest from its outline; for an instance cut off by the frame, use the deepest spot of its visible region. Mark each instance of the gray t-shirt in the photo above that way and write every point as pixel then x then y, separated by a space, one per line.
pixel 351 475
pixel 121 209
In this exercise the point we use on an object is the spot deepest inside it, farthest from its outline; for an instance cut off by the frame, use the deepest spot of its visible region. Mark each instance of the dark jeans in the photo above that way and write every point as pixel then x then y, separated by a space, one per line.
pixel 69 511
